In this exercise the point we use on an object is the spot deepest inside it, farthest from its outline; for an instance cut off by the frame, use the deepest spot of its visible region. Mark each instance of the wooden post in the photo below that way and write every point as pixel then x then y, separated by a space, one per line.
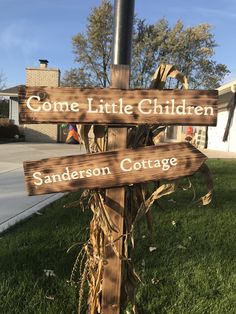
pixel 115 199
pixel 117 139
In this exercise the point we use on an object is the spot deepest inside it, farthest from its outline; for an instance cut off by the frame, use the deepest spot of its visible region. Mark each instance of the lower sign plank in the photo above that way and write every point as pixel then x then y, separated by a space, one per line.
pixel 110 169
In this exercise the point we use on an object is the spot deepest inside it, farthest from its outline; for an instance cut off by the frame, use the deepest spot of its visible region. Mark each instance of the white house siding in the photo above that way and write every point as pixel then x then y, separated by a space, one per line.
pixel 232 135
pixel 14 111
pixel 215 134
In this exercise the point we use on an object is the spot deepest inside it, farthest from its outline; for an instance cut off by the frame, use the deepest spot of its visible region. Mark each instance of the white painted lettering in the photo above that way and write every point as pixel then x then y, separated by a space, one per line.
pixel 89 173
pixel 74 175
pixel 128 109
pixel 180 109
pixel 97 172
pixel 198 110
pixel 173 161
pixel 123 167
pixel 47 179
pixel 105 171
pixel 28 104
pixel 74 107
pixel 142 104
pixel 158 109
pixel 47 106
pixel 165 164
pixel 36 176
pixel 66 175
pixel 90 106
pixel 56 178
pixel 210 110
pixel 137 166
pixel 82 174
pixel 61 105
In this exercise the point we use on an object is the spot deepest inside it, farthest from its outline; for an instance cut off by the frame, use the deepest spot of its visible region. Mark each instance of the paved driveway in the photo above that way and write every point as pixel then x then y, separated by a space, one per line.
pixel 15 205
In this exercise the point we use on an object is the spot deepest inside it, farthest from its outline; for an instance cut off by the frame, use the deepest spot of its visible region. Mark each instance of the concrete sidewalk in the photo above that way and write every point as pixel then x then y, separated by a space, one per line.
pixel 216 154
pixel 15 205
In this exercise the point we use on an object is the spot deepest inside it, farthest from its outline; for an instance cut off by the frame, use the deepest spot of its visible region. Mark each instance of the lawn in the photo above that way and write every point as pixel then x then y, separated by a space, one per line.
pixel 193 269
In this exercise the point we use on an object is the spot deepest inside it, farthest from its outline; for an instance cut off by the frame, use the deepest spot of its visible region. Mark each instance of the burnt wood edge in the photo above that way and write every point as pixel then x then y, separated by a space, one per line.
pixel 22 92
pixel 164 146
pixel 212 92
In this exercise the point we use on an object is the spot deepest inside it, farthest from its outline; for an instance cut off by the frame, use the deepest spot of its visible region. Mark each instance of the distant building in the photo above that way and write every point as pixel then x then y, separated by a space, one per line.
pixel 12 95
pixel 36 76
pixel 180 133
pixel 223 136
pixel 42 76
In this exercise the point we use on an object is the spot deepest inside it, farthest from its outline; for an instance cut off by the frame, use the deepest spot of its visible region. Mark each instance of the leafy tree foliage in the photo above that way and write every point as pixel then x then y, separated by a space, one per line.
pixel 93 49
pixel 190 49
pixel 77 77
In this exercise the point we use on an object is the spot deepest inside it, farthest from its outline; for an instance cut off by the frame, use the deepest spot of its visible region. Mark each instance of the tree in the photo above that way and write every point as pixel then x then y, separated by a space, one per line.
pixel 93 49
pixel 2 81
pixel 147 50
pixel 190 49
pixel 76 77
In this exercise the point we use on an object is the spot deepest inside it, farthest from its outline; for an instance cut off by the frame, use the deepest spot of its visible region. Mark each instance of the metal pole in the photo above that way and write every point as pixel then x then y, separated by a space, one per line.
pixel 122 33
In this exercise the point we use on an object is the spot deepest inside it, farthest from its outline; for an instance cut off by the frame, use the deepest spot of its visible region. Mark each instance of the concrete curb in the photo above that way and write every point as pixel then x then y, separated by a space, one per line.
pixel 29 211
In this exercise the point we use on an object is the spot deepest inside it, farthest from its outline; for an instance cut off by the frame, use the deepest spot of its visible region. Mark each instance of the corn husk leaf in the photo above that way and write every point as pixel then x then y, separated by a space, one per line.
pixel 163 190
pixel 207 198
pixel 139 201
pixel 164 71
pixel 84 133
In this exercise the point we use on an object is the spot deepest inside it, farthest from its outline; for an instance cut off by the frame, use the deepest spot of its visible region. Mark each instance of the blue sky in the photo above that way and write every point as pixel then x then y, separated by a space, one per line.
pixel 42 29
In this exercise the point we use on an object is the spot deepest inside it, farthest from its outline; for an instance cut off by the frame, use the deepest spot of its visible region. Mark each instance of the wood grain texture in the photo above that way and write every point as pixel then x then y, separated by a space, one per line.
pixel 189 159
pixel 115 200
pixel 117 115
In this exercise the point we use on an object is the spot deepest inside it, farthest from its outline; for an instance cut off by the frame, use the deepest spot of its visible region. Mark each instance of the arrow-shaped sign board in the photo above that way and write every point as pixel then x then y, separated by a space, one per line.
pixel 113 168
pixel 115 106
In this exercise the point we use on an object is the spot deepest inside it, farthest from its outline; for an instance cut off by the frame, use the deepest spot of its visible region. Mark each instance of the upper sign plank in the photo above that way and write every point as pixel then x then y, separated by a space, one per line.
pixel 116 107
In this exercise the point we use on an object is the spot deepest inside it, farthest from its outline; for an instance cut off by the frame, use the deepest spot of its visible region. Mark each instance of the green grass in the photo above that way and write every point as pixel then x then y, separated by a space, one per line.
pixel 193 269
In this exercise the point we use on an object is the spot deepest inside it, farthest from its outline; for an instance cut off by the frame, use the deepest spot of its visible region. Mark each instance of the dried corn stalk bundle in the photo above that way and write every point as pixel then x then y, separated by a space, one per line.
pixel 139 199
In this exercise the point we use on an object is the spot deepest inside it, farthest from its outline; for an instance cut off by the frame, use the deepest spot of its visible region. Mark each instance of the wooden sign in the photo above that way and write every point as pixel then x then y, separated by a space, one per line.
pixel 113 168
pixel 116 106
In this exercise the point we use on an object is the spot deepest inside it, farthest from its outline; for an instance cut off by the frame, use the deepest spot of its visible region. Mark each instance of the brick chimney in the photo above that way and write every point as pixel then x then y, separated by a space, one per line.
pixel 43 64
pixel 43 75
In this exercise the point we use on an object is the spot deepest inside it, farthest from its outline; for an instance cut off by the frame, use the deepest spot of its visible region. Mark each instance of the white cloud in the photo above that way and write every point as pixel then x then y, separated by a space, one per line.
pixel 16 37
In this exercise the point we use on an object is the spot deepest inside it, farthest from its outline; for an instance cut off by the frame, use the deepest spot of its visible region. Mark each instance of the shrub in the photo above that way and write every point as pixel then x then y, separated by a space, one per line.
pixel 8 130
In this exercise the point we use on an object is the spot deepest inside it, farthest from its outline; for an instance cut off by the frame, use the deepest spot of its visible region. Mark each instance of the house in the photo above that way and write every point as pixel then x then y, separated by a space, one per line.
pixel 12 95
pixel 223 136
pixel 36 76
pixel 179 133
